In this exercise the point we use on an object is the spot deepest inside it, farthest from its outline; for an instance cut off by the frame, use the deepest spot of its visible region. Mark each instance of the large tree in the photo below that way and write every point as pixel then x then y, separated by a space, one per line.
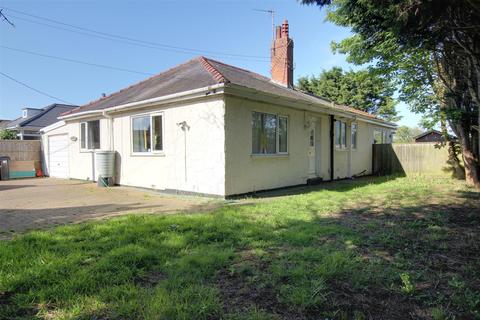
pixel 359 89
pixel 406 134
pixel 432 50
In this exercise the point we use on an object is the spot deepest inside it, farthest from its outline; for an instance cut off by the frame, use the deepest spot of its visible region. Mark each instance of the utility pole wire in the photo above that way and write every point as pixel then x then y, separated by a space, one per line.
pixel 32 88
pixel 126 41
pixel 136 40
pixel 76 61
pixel 5 18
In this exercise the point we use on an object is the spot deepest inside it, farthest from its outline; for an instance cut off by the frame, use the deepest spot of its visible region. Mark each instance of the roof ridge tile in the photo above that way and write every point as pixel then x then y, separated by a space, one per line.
pixel 235 67
pixel 217 75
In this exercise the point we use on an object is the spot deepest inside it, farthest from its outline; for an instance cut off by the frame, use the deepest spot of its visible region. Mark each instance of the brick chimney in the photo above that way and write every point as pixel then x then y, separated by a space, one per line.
pixel 282 56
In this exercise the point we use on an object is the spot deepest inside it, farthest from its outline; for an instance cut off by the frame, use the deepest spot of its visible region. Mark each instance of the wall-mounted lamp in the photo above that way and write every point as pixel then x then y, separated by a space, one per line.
pixel 183 125
pixel 73 138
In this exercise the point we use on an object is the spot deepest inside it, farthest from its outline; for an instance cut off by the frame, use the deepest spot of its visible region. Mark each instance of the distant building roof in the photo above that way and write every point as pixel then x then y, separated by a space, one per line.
pixel 436 136
pixel 45 118
pixel 4 123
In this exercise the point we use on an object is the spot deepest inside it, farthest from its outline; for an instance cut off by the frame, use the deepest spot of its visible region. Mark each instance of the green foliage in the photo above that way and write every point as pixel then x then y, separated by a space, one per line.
pixel 7 134
pixel 321 253
pixel 361 90
pixel 430 50
pixel 405 134
pixel 407 285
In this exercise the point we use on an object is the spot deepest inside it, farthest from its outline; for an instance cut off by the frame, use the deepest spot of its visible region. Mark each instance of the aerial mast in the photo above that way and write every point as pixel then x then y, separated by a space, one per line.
pixel 272 14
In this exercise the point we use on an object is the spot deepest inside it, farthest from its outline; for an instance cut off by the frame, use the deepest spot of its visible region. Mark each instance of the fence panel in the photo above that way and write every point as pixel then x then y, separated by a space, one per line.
pixel 25 157
pixel 411 159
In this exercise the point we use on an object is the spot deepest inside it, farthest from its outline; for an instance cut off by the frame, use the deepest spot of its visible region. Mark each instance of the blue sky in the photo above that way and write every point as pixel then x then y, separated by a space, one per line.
pixel 217 29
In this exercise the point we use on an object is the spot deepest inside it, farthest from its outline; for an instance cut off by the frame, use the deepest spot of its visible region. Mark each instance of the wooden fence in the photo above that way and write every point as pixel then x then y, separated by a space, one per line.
pixel 25 157
pixel 411 159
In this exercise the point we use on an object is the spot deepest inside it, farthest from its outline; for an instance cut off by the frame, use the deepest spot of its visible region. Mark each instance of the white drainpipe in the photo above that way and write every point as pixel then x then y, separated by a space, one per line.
pixel 110 130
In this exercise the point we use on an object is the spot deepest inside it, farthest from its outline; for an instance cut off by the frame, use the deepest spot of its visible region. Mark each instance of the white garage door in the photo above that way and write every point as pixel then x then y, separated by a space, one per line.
pixel 58 156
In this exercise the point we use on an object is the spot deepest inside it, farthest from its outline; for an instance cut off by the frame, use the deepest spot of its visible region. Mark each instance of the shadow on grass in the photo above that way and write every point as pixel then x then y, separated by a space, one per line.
pixel 289 259
pixel 338 185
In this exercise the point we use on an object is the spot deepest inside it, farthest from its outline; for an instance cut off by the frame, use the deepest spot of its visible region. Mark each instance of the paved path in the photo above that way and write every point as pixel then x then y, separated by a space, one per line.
pixel 27 204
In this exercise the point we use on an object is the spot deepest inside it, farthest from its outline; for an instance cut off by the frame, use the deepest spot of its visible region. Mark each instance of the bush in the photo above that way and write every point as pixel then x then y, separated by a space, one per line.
pixel 7 134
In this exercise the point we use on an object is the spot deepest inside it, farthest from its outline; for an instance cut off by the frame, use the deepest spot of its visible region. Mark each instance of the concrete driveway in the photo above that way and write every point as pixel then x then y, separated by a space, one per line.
pixel 28 204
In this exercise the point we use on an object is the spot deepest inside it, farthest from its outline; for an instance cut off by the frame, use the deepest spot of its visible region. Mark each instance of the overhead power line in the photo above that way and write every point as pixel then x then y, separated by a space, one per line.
pixel 143 43
pixel 32 88
pixel 6 19
pixel 75 61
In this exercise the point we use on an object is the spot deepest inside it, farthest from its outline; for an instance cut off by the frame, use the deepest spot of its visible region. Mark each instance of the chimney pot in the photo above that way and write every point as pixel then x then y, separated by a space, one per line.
pixel 285 28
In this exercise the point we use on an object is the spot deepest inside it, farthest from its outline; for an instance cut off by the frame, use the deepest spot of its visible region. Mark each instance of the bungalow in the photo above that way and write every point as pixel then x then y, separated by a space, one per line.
pixel 28 125
pixel 207 127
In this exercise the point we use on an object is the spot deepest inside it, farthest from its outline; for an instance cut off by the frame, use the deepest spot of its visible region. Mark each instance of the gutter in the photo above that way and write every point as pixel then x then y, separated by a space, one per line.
pixel 234 90
pixel 51 127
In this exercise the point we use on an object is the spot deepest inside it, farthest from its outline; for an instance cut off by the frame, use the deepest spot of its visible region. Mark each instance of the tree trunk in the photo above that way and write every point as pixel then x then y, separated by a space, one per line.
pixel 453 160
pixel 469 159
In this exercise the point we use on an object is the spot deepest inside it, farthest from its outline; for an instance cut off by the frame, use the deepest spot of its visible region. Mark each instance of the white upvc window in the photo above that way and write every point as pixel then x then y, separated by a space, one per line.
pixel 90 135
pixel 269 133
pixel 340 134
pixel 354 135
pixel 147 133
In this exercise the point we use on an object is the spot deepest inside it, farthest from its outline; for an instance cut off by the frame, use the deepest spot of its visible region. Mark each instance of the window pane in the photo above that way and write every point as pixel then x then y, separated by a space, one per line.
pixel 337 134
pixel 344 135
pixel 157 133
pixel 282 134
pixel 83 135
pixel 354 135
pixel 270 133
pixel 141 134
pixel 256 132
pixel 93 134
pixel 377 136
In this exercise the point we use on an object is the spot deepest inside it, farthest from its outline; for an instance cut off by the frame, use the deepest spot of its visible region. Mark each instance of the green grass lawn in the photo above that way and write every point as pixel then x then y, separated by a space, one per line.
pixel 381 248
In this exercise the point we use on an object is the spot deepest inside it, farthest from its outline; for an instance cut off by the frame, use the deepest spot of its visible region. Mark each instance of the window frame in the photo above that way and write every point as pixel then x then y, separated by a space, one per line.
pixel 342 145
pixel 277 134
pixel 352 146
pixel 150 115
pixel 87 149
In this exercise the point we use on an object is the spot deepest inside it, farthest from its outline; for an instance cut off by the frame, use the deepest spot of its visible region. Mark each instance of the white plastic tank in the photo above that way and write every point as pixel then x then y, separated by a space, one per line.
pixel 105 163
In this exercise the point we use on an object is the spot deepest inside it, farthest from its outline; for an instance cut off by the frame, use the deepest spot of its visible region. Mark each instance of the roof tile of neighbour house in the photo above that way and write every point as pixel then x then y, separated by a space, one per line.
pixel 199 73
pixel 3 123
pixel 45 118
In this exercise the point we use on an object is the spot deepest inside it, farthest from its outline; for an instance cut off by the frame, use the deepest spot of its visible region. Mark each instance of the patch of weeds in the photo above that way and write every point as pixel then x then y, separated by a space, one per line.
pixel 407 285
pixel 438 313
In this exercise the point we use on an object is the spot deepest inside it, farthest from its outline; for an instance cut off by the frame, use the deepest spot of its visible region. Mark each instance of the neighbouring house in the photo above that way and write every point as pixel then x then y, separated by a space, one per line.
pixel 210 128
pixel 3 123
pixel 431 136
pixel 32 120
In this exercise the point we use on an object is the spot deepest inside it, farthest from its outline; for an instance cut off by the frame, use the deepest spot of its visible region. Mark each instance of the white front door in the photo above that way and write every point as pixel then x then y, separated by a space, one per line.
pixel 311 151
pixel 58 156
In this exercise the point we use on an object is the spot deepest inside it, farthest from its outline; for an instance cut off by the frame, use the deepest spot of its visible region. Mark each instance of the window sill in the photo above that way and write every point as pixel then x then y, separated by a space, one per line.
pixel 148 154
pixel 271 155
pixel 341 149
